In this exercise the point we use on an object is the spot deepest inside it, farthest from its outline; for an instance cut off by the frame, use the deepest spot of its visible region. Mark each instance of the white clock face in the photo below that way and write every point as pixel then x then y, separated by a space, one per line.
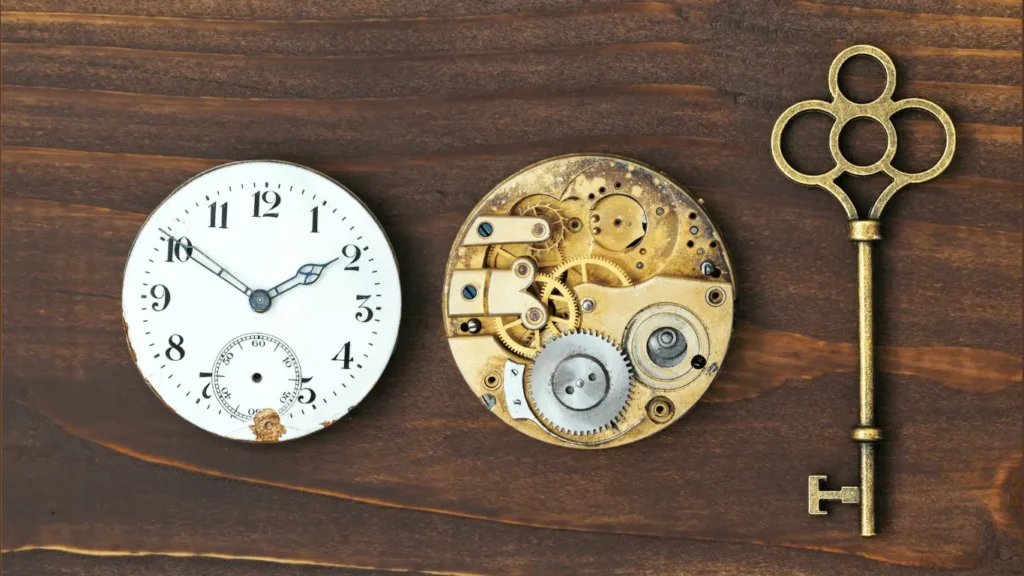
pixel 261 301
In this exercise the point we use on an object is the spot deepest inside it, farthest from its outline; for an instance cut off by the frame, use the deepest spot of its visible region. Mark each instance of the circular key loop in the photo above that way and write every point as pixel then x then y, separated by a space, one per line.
pixel 843 110
pixel 879 110
pixel 901 178
pixel 862 50
pixel 827 180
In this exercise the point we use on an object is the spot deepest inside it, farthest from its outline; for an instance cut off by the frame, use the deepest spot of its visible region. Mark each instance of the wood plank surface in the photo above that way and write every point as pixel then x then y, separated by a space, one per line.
pixel 421 106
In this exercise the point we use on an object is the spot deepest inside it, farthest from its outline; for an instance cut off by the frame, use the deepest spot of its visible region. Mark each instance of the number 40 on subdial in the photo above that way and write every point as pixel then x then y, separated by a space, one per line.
pixel 261 301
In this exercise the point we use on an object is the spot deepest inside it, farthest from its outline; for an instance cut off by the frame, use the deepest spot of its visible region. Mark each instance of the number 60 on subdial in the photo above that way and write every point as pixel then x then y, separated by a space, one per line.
pixel 261 301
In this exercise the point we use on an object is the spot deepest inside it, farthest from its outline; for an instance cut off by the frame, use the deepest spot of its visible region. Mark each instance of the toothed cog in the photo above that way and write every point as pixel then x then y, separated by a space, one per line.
pixel 580 384
pixel 563 316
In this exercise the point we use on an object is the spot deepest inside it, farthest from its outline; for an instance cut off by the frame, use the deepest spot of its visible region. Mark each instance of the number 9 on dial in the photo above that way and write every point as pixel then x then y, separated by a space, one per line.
pixel 261 301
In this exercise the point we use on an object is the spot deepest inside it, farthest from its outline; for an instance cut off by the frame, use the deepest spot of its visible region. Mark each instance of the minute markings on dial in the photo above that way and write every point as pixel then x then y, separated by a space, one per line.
pixel 202 312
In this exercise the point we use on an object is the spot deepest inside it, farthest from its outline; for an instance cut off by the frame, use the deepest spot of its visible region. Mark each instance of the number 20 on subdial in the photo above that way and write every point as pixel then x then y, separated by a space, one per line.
pixel 261 301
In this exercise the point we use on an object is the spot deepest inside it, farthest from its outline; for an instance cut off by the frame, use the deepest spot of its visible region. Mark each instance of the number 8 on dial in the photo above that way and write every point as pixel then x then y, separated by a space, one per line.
pixel 261 301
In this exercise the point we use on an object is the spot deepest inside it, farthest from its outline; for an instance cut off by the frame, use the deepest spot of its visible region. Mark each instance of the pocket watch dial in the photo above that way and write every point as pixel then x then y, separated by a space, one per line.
pixel 588 301
pixel 261 301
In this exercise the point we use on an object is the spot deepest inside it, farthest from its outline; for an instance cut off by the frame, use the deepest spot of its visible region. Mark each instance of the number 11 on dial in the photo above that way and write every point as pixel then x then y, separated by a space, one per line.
pixel 261 301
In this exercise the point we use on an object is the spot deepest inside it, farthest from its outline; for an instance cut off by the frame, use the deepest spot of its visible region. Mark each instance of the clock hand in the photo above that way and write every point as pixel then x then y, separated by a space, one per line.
pixel 205 261
pixel 306 274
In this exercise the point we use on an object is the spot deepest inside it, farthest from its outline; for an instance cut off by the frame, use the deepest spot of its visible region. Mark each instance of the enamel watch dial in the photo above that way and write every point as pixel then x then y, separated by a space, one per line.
pixel 588 301
pixel 261 301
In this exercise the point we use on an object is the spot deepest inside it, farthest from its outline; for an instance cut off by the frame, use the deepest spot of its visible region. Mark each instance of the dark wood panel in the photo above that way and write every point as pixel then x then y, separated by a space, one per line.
pixel 74 563
pixel 140 508
pixel 423 106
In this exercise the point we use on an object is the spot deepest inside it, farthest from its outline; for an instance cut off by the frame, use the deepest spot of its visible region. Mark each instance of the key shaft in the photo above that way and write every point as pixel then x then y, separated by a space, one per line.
pixel 865 293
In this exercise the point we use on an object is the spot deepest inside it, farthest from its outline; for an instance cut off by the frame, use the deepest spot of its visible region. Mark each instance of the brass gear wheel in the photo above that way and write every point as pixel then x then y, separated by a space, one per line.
pixel 563 316
pixel 546 208
pixel 590 269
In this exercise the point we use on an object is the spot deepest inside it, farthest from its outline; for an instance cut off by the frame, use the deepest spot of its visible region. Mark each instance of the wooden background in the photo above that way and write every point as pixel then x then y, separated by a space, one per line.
pixel 421 106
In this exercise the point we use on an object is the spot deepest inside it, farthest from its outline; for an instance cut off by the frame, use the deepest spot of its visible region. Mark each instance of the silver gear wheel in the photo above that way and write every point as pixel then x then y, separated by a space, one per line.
pixel 580 384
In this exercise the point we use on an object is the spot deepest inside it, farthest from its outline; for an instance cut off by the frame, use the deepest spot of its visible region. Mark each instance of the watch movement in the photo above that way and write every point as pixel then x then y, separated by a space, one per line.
pixel 588 301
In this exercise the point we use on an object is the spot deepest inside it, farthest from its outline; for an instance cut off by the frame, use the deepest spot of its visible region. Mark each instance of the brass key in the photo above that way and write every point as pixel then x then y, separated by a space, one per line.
pixel 863 232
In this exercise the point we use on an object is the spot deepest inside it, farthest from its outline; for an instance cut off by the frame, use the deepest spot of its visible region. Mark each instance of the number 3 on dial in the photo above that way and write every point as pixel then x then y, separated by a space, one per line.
pixel 261 301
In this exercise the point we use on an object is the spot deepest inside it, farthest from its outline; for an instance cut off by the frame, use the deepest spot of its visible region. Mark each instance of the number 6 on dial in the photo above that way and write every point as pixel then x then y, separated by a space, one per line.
pixel 261 301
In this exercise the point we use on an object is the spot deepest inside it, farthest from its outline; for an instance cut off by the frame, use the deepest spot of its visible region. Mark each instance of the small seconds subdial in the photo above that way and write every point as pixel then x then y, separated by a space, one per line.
pixel 255 372
pixel 261 301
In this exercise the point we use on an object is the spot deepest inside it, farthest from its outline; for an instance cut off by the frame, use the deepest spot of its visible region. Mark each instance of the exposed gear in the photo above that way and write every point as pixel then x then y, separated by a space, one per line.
pixel 545 207
pixel 577 241
pixel 563 316
pixel 590 269
pixel 580 385
pixel 503 255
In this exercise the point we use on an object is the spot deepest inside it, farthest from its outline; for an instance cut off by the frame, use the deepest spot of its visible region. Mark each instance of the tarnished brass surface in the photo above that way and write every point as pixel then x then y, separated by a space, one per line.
pixel 507 230
pixel 881 110
pixel 863 232
pixel 623 240
pixel 815 495
pixel 496 292
pixel 266 426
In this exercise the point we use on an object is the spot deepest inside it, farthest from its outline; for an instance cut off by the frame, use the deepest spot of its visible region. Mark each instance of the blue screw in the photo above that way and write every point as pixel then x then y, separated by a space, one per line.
pixel 469 291
pixel 485 229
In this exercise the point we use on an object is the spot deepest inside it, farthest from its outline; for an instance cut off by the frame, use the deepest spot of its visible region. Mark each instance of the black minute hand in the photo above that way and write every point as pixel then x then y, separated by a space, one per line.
pixel 306 274
pixel 205 261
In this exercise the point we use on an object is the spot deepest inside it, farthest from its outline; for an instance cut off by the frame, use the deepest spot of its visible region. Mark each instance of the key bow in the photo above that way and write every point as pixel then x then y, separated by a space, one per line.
pixel 843 110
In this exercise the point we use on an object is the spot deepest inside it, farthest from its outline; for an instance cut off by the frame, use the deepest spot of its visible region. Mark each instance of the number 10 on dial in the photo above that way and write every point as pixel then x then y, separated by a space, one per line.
pixel 261 301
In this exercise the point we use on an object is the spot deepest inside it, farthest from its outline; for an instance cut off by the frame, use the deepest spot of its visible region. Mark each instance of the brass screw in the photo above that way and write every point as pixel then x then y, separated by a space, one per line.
pixel 715 297
pixel 534 315
pixel 660 410
pixel 492 381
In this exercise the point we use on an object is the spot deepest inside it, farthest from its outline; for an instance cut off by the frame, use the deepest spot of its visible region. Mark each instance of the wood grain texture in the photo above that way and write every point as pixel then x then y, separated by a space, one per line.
pixel 421 106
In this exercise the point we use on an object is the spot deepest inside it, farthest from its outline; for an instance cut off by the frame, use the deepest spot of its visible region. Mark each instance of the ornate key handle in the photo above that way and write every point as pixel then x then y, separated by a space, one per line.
pixel 863 232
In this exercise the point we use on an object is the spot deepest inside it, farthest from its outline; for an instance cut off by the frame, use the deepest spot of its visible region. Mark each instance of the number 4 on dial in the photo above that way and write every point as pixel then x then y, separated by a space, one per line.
pixel 344 356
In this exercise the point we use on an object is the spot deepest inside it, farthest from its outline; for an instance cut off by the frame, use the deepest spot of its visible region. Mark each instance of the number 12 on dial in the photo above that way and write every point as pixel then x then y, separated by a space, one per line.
pixel 261 301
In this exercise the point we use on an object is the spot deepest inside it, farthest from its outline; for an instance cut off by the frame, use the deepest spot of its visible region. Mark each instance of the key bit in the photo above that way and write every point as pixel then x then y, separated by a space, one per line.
pixel 864 232
pixel 815 495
